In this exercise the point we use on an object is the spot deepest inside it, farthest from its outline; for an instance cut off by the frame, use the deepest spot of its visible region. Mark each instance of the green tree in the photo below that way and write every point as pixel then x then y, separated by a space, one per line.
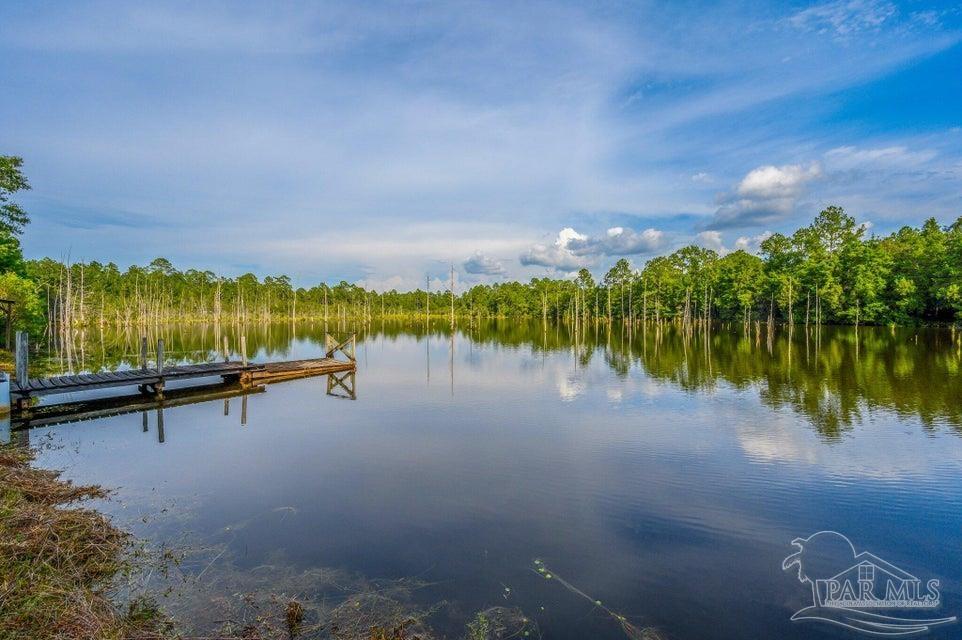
pixel 741 280
pixel 12 217
pixel 28 312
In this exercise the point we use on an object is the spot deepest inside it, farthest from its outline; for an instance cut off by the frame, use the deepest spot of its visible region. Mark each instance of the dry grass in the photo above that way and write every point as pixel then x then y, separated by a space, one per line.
pixel 58 561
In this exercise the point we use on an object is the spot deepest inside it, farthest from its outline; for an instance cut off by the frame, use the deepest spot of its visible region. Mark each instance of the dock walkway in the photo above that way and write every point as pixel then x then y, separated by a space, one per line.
pixel 152 380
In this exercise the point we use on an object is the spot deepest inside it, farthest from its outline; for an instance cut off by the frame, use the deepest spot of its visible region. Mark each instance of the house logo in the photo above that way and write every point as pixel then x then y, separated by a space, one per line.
pixel 861 591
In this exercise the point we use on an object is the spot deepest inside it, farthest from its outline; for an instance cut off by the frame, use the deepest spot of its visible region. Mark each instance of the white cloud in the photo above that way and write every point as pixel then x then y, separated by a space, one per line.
pixel 480 264
pixel 506 114
pixel 845 17
pixel 556 256
pixel 397 283
pixel 765 194
pixel 710 240
pixel 849 158
pixel 619 241
pixel 765 183
pixel 752 244
pixel 702 177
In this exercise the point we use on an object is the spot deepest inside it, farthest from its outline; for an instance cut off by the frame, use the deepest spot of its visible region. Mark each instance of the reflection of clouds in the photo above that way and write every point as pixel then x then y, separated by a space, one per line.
pixel 570 386
pixel 597 377
pixel 776 441
pixel 887 451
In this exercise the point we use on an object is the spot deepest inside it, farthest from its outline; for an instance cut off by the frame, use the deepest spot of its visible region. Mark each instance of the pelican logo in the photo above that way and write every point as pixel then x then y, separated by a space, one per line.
pixel 853 590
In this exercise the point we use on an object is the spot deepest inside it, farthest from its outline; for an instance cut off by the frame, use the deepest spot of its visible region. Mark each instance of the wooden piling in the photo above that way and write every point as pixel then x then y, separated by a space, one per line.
pixel 160 355
pixel 21 358
pixel 143 353
pixel 226 349
pixel 8 321
pixel 243 342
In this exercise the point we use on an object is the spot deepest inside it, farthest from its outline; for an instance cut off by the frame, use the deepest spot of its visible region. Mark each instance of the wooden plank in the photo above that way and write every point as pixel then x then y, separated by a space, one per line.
pixel 105 379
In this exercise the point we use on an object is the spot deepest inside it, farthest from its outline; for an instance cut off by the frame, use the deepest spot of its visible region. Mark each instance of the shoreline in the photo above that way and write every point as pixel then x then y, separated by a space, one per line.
pixel 60 559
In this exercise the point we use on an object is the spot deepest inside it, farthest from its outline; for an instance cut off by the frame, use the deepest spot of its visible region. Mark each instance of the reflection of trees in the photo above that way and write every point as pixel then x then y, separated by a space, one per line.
pixel 832 378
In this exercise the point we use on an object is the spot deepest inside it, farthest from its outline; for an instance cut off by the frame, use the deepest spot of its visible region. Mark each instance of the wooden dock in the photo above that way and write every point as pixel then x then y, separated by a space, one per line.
pixel 292 369
pixel 153 380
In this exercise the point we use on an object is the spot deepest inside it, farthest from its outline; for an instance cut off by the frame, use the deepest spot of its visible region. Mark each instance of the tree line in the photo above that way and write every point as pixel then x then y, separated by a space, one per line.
pixel 830 271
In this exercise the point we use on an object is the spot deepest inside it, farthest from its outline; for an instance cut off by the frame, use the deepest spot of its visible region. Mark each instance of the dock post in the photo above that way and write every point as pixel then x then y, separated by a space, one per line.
pixel 143 353
pixel 4 398
pixel 244 350
pixel 21 358
pixel 226 349
pixel 6 433
pixel 8 315
pixel 160 355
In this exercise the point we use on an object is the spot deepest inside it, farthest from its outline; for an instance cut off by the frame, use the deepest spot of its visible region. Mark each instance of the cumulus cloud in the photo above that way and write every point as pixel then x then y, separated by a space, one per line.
pixel 395 283
pixel 480 264
pixel 753 243
pixel 573 250
pixel 619 241
pixel 710 240
pixel 558 255
pixel 766 194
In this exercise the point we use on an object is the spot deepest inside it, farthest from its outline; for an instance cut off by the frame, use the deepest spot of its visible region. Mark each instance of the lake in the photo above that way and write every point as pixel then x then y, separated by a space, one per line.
pixel 661 474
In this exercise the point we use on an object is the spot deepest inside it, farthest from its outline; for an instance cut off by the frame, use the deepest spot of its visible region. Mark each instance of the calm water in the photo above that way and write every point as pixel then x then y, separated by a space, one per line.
pixel 662 476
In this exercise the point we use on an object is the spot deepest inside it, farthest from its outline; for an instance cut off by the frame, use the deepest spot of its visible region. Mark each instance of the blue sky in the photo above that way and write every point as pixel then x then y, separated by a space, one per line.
pixel 378 143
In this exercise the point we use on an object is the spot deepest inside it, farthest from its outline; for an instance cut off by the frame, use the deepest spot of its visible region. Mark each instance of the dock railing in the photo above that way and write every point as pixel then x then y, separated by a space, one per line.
pixel 347 346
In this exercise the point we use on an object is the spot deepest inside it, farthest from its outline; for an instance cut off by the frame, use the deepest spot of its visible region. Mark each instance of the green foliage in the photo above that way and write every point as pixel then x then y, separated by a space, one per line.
pixel 12 217
pixel 827 271
pixel 11 256
pixel 739 283
pixel 28 313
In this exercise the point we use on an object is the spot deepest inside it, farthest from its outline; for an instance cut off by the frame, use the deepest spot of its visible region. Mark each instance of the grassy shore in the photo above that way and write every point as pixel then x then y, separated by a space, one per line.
pixel 59 560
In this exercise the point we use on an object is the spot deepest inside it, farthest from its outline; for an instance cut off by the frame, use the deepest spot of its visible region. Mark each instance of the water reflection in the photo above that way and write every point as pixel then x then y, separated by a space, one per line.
pixel 343 385
pixel 832 376
pixel 145 404
pixel 660 471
